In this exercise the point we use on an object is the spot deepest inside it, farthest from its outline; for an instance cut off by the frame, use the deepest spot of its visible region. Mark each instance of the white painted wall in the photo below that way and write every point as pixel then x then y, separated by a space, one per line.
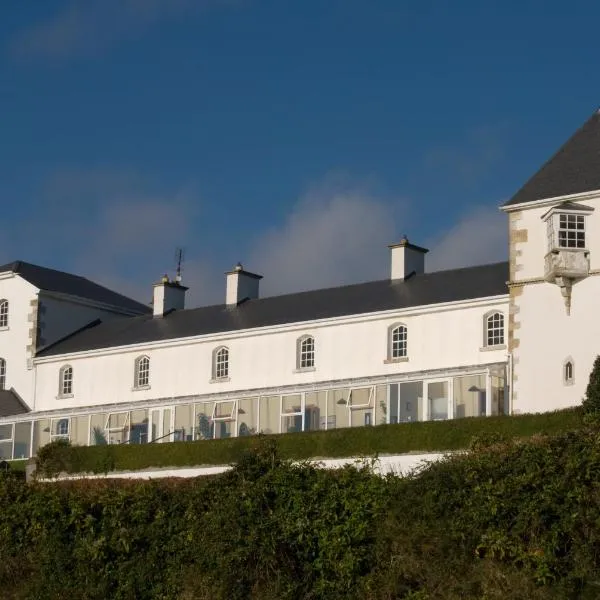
pixel 15 339
pixel 546 335
pixel 345 348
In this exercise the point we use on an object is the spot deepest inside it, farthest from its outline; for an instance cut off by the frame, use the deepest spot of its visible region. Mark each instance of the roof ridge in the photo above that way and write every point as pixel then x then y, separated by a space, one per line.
pixel 350 285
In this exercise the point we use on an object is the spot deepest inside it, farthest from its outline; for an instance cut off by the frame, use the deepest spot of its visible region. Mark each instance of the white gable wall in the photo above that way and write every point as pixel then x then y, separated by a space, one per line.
pixel 438 337
pixel 15 340
pixel 543 336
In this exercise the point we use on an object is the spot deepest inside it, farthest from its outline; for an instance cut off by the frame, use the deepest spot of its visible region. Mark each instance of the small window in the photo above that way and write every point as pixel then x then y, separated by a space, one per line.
pixel 568 372
pixel 3 313
pixel 142 372
pixel 494 328
pixel 398 342
pixel 2 374
pixel 306 353
pixel 221 363
pixel 571 231
pixel 65 384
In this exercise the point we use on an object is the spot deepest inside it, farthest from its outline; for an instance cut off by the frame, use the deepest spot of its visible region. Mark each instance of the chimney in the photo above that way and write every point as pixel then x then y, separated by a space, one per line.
pixel 168 295
pixel 241 285
pixel 407 259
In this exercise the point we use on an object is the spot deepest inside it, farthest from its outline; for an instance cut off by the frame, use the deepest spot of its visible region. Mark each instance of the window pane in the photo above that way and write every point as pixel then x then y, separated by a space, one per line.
pixel 98 435
pixel 6 432
pixel 5 450
pixel 380 404
pixel 247 416
pixel 499 400
pixel 437 393
pixel 338 408
pixel 204 425
pixel 269 414
pixel 184 423
pixel 469 396
pixel 22 440
pixel 138 431
pixel 315 411
pixel 411 401
pixel 291 413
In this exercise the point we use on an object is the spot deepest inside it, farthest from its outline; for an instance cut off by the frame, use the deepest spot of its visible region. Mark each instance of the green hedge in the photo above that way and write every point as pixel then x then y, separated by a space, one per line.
pixel 511 521
pixel 360 441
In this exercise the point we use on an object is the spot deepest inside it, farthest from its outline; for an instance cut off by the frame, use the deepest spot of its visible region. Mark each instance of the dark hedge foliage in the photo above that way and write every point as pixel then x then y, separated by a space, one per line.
pixel 510 519
pixel 359 441
pixel 591 402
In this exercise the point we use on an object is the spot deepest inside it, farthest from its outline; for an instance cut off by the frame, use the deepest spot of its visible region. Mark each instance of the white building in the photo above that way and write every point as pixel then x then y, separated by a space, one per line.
pixel 80 361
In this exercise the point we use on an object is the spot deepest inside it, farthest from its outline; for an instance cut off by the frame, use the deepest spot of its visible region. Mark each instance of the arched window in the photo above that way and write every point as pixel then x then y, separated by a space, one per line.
pixel 3 313
pixel 494 329
pixel 142 372
pixel 305 352
pixel 2 374
pixel 398 342
pixel 65 381
pixel 568 371
pixel 221 363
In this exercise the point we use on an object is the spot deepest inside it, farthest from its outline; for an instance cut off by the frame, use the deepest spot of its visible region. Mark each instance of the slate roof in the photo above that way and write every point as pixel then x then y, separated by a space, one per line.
pixel 65 283
pixel 418 290
pixel 574 169
pixel 11 404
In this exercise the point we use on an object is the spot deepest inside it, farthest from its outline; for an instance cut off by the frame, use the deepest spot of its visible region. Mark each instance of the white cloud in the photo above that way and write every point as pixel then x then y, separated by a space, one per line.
pixel 95 25
pixel 122 230
pixel 332 237
pixel 479 237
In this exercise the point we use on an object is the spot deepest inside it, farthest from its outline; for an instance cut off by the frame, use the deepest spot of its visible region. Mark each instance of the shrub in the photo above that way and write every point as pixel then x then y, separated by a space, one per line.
pixel 510 520
pixel 357 441
pixel 591 402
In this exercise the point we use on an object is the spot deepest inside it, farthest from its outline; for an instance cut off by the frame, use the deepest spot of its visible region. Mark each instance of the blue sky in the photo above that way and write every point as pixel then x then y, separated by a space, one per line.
pixel 298 136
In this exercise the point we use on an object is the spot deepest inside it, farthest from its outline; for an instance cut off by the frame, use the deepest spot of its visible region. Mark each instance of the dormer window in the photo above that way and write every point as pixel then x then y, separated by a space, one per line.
pixel 567 260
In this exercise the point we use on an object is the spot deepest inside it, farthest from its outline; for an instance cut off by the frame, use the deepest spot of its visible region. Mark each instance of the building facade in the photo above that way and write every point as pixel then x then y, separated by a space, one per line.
pixel 81 362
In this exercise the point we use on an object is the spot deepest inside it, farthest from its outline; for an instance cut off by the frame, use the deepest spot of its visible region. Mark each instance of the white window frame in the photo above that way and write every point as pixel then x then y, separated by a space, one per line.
pixel 63 432
pixel 220 364
pixel 2 374
pixel 3 313
pixel 126 427
pixel 11 439
pixel 305 353
pixel 142 373
pixel 397 348
pixel 494 334
pixel 65 382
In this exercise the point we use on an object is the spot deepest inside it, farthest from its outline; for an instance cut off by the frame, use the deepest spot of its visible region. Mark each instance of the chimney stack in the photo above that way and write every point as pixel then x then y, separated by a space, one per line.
pixel 241 285
pixel 407 259
pixel 168 295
